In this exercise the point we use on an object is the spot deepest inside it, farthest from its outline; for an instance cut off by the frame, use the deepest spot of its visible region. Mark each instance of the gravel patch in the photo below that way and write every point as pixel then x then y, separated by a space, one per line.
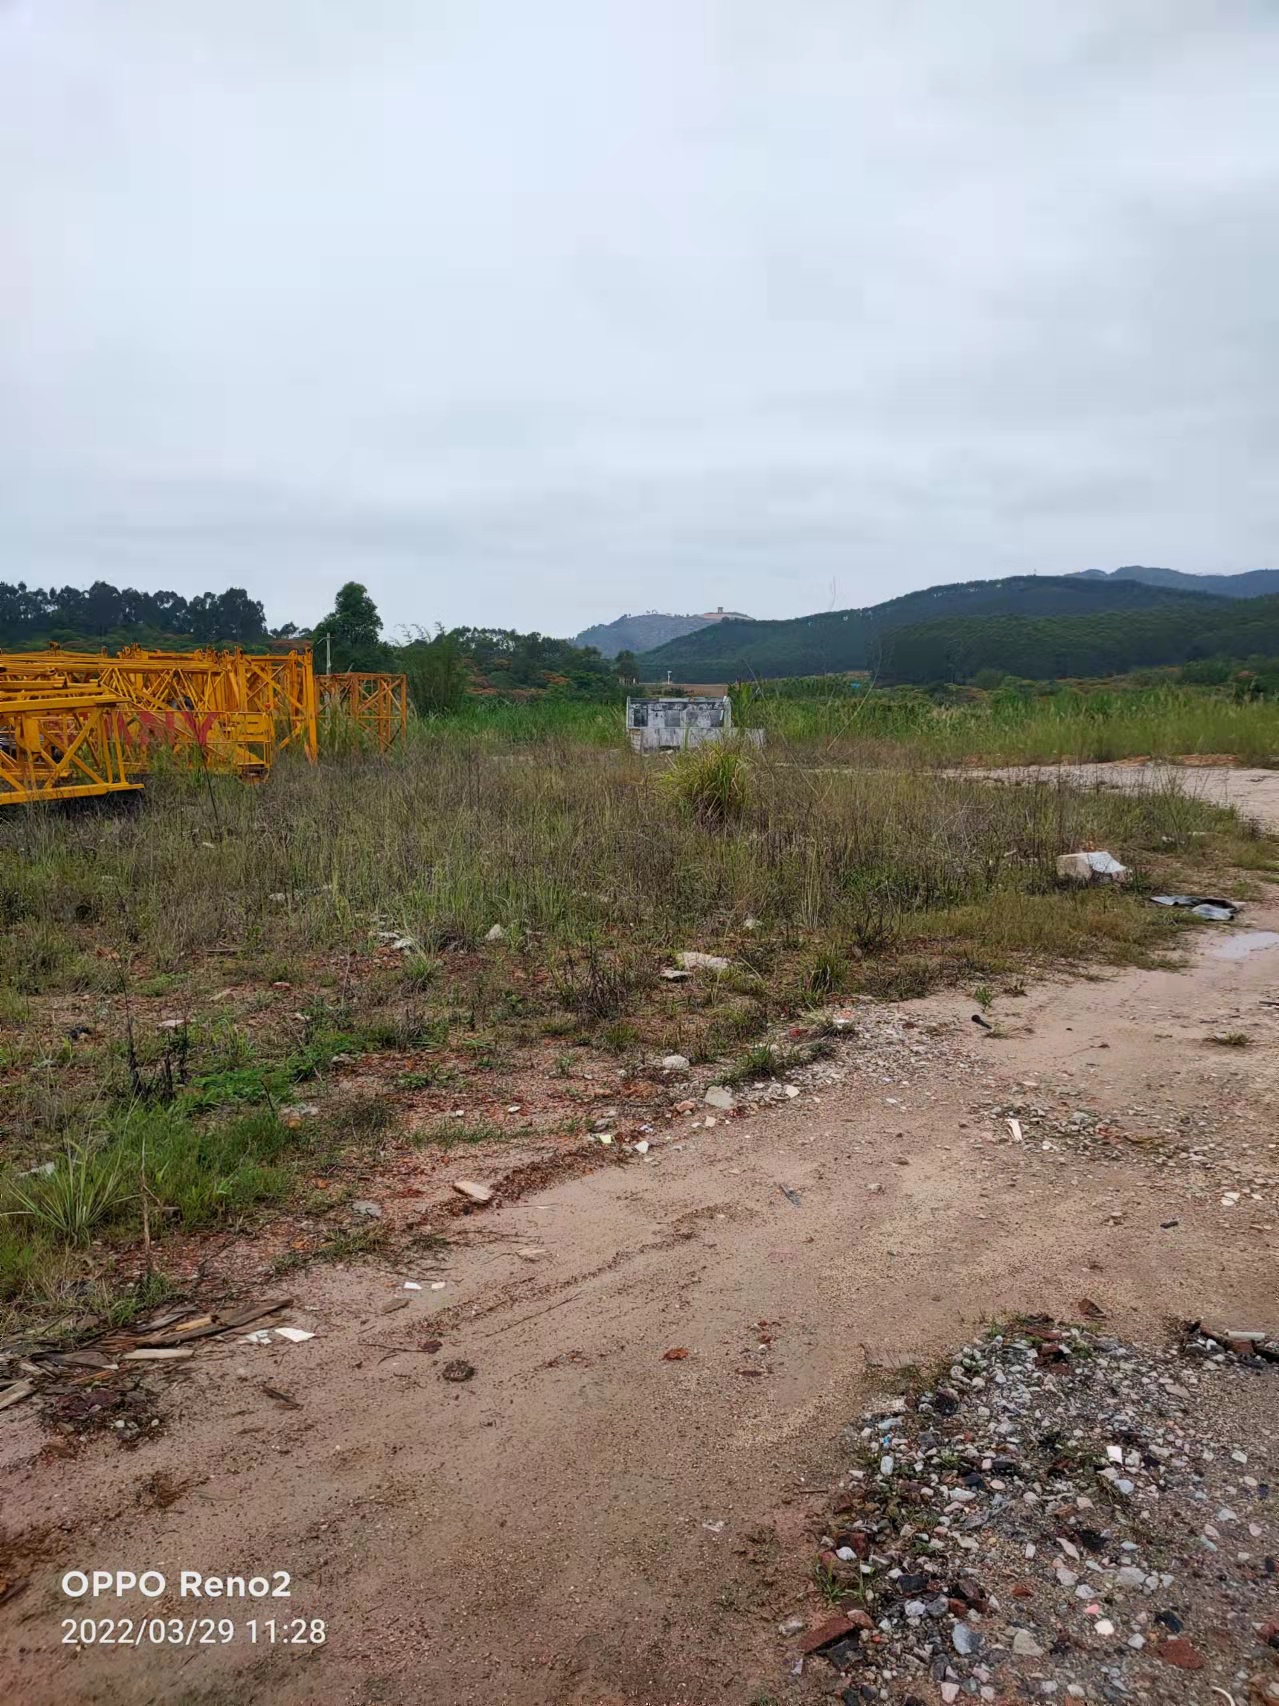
pixel 1059 1516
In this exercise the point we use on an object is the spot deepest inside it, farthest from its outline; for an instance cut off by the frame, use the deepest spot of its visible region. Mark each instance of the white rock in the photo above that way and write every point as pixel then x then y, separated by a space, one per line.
pixel 702 962
pixel 495 934
pixel 472 1191
pixel 719 1096
pixel 1026 1646
pixel 674 1063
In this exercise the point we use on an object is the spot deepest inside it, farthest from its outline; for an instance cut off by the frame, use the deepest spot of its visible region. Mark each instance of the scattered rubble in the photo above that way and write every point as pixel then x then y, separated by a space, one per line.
pixel 97 1384
pixel 1063 1516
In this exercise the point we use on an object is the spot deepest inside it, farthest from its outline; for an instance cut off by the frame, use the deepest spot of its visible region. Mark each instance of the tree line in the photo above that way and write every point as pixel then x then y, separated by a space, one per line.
pixel 29 615
pixel 443 667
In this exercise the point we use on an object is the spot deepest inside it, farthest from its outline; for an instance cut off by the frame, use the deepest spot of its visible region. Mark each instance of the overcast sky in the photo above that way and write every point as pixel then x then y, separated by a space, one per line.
pixel 530 312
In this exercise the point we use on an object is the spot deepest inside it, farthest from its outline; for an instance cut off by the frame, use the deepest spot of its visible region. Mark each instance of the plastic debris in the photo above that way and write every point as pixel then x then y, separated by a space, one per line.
pixel 1091 868
pixel 295 1335
pixel 1202 905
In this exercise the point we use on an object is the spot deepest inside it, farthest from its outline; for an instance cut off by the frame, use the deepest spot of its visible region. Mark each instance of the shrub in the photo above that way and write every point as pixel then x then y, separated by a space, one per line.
pixel 713 781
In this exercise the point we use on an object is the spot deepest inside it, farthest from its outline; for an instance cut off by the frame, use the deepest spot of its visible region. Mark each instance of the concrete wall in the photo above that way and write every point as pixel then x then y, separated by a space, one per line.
pixel 656 725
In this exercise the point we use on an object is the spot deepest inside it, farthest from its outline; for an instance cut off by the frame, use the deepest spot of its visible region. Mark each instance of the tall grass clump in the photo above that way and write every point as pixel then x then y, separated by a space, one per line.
pixel 69 1203
pixel 713 781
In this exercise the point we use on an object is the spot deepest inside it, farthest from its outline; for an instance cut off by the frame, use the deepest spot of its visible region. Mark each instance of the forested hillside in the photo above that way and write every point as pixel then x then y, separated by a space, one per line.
pixel 853 639
pixel 1041 648
pixel 1253 583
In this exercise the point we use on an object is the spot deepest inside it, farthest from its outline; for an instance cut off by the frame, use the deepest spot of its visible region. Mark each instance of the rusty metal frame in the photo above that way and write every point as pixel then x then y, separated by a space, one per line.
pixel 376 704
pixel 235 709
pixel 59 744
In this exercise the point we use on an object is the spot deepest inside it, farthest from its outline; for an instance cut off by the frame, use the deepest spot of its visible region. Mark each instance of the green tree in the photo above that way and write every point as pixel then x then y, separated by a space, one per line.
pixel 437 673
pixel 353 630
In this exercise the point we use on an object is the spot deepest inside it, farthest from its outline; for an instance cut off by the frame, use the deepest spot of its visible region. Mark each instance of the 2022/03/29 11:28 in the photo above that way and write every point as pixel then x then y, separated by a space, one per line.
pixel 193 1631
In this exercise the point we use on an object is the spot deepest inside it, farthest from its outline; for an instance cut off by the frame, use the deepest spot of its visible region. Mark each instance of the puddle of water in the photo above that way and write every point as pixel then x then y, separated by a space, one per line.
pixel 1248 942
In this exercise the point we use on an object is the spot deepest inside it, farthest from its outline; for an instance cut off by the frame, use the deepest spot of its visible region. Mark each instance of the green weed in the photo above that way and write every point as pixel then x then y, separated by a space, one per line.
pixel 86 1187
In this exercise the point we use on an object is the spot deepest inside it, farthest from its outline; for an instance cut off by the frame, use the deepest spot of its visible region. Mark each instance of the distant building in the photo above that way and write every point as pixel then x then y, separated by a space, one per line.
pixel 722 615
pixel 660 725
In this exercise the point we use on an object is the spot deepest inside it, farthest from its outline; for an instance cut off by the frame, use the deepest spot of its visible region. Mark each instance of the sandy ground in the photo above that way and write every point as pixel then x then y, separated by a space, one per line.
pixel 584 1521
pixel 539 1533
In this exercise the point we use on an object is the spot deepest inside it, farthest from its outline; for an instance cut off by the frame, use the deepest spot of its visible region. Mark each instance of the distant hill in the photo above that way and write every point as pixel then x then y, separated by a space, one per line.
pixel 1182 630
pixel 1254 583
pixel 643 633
pixel 854 639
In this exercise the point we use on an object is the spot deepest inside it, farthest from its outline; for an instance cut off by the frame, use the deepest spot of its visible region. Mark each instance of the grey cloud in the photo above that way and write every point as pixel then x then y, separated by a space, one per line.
pixel 528 315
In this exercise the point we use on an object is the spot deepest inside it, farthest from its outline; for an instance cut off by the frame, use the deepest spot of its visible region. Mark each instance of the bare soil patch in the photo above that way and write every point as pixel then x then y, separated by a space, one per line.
pixel 582 1520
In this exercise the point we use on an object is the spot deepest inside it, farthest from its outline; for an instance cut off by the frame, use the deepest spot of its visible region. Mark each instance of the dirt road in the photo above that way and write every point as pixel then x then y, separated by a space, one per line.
pixel 585 1521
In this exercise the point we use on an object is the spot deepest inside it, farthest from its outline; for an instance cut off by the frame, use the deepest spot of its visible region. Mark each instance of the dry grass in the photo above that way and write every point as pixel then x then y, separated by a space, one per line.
pixel 885 881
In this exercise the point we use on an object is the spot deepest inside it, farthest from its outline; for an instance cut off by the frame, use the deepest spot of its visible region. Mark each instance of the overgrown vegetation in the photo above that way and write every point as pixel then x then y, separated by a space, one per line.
pixel 175 985
pixel 1020 722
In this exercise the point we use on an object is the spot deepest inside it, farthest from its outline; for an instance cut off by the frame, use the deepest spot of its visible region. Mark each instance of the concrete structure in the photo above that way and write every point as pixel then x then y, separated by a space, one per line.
pixel 656 725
